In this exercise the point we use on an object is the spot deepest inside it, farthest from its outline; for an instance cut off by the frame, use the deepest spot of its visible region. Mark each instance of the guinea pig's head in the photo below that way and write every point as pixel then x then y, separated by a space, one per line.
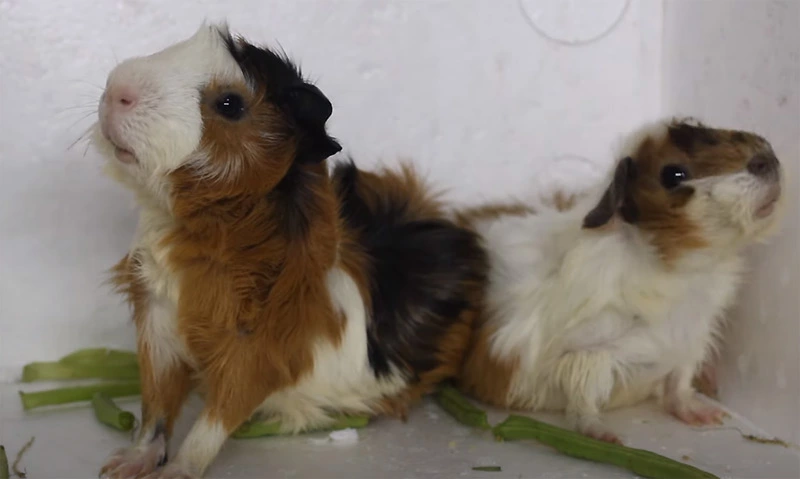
pixel 213 110
pixel 690 187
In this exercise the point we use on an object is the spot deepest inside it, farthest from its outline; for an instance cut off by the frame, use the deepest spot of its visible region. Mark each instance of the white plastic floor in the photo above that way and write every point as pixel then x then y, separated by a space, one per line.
pixel 71 444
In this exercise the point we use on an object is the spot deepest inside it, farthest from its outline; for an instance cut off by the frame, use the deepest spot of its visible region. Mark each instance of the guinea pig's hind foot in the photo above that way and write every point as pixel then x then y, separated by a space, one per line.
pixel 134 462
pixel 696 413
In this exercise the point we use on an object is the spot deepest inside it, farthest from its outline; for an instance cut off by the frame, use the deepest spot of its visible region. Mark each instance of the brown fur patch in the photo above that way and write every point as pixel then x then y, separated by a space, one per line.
pixel 561 201
pixel 452 352
pixel 485 376
pixel 403 185
pixel 469 216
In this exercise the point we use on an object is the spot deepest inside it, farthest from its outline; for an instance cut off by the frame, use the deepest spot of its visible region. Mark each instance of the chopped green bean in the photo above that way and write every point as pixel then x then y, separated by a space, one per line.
pixel 110 414
pixel 273 427
pixel 4 472
pixel 258 429
pixel 96 356
pixel 461 409
pixel 641 462
pixel 488 468
pixel 31 400
pixel 47 371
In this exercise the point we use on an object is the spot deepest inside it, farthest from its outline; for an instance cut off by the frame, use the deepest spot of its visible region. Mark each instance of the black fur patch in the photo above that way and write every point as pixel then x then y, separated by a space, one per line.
pixel 160 430
pixel 421 272
pixel 687 136
pixel 306 108
pixel 295 194
pixel 616 199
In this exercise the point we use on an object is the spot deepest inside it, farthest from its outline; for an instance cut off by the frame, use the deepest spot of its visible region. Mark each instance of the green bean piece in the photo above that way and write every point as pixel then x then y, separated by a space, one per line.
pixel 97 356
pixel 31 400
pixel 488 468
pixel 48 371
pixel 273 427
pixel 574 444
pixel 4 472
pixel 108 413
pixel 461 408
pixel 257 429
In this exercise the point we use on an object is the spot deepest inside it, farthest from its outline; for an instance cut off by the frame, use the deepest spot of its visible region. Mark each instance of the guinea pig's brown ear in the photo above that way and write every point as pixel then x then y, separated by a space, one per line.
pixel 310 109
pixel 616 199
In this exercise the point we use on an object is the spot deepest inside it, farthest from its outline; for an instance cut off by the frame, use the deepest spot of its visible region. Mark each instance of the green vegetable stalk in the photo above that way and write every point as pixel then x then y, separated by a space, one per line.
pixel 273 427
pixel 4 472
pixel 96 356
pixel 110 414
pixel 31 400
pixel 640 462
pixel 45 371
pixel 461 409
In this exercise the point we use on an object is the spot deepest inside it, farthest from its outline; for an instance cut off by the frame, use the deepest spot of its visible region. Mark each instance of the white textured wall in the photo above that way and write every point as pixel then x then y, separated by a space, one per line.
pixel 737 63
pixel 467 88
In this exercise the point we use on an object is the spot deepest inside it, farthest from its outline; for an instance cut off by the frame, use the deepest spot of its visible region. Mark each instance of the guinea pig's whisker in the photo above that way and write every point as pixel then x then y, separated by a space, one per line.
pixel 83 107
pixel 93 85
pixel 83 136
pixel 83 117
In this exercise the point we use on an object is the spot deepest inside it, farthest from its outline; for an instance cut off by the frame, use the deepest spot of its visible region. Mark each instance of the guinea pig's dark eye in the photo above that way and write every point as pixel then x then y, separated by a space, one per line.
pixel 673 175
pixel 230 105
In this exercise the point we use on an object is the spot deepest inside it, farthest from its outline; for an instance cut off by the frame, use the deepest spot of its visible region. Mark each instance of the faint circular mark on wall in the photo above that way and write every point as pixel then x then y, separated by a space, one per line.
pixel 574 22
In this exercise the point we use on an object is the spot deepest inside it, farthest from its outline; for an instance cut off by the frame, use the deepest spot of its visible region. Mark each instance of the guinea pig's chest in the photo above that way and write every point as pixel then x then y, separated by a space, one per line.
pixel 156 273
pixel 158 318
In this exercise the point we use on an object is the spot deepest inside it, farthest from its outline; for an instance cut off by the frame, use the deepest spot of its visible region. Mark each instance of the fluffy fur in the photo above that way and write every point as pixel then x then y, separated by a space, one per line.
pixel 259 278
pixel 618 295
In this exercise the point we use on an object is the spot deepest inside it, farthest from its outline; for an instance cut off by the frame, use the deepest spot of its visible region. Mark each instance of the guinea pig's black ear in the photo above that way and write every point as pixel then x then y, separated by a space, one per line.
pixel 616 199
pixel 310 109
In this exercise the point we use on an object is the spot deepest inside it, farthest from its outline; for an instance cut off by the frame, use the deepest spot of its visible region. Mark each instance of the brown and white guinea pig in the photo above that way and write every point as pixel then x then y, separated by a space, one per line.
pixel 259 277
pixel 619 296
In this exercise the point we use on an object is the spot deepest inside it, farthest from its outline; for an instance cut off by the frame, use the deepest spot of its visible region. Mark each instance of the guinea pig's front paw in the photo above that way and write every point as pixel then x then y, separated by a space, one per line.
pixel 696 413
pixel 171 471
pixel 133 462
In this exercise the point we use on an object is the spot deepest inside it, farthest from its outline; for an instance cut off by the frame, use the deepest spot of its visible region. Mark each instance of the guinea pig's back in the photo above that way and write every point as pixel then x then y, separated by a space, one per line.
pixel 426 274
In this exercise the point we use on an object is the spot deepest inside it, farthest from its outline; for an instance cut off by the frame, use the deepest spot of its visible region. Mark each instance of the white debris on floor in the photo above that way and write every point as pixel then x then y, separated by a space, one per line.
pixel 344 436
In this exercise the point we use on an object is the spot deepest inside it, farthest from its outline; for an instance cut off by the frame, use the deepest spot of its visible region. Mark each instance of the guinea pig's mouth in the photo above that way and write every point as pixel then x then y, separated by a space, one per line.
pixel 122 152
pixel 124 155
pixel 768 204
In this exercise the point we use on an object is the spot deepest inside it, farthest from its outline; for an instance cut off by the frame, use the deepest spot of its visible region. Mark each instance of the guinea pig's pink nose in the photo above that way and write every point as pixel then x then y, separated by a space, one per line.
pixel 122 97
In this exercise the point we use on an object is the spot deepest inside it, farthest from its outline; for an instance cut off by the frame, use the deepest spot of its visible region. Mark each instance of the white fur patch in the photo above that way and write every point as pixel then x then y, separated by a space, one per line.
pixel 201 446
pixel 342 379
pixel 160 325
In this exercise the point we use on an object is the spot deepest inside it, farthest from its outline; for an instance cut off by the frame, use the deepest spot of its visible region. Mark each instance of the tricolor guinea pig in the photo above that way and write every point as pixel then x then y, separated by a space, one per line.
pixel 273 284
pixel 618 295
